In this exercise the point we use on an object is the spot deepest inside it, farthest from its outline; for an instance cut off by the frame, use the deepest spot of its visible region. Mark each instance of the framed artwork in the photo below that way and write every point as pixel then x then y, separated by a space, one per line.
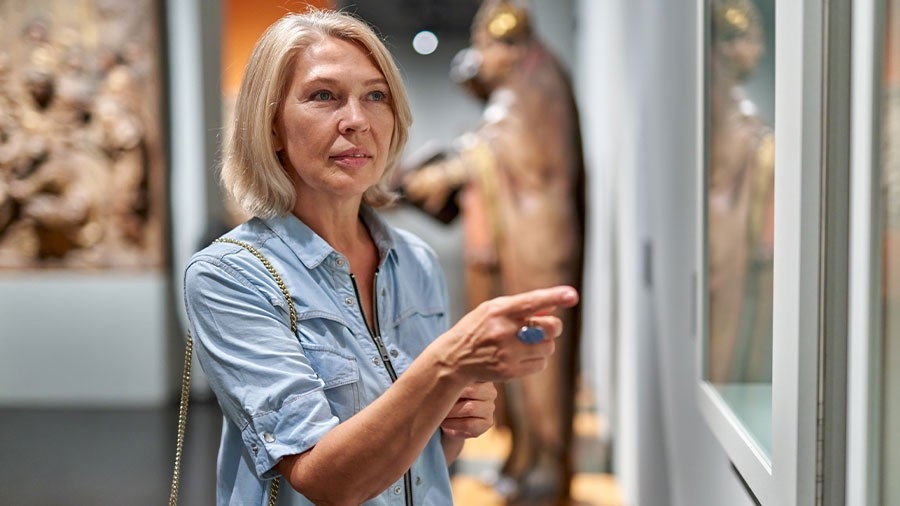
pixel 82 161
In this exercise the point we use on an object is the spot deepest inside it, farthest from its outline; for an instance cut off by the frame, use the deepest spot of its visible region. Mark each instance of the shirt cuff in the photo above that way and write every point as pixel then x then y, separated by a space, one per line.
pixel 294 428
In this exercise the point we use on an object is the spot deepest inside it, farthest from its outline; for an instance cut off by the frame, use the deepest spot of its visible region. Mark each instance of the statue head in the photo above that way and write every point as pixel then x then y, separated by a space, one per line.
pixel 500 32
pixel 737 35
pixel 503 20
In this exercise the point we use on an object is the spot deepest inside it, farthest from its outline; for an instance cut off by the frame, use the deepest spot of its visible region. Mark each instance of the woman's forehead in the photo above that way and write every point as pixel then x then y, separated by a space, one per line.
pixel 332 50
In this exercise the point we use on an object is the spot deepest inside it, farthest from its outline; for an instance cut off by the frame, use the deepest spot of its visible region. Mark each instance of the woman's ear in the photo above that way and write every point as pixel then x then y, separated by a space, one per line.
pixel 276 139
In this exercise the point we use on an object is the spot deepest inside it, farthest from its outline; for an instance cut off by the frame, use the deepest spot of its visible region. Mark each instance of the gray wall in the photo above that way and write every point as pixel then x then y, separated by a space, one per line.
pixel 84 339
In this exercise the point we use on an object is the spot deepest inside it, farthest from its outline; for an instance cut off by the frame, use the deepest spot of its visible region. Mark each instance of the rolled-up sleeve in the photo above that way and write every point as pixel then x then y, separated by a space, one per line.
pixel 255 365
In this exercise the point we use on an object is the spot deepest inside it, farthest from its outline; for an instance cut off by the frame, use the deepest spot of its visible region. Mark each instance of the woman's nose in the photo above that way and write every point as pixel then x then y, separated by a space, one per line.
pixel 353 118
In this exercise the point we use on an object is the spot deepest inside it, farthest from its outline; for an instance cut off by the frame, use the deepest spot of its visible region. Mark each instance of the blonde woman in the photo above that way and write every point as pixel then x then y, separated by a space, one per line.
pixel 373 395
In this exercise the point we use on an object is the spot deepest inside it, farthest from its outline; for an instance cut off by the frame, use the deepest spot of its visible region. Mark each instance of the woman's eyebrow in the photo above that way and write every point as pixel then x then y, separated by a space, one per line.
pixel 333 81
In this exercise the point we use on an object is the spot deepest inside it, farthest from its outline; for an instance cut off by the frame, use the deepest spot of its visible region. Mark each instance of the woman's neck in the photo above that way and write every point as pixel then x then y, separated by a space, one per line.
pixel 340 226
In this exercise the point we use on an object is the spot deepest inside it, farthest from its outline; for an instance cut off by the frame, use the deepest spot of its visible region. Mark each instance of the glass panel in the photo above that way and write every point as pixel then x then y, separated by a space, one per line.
pixel 740 209
pixel 890 135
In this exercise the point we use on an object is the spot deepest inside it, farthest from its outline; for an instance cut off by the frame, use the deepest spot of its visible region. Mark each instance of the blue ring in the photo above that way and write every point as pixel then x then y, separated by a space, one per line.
pixel 530 334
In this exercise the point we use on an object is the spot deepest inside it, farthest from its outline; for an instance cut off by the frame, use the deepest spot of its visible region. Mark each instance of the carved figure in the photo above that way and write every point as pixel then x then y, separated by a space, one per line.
pixel 741 204
pixel 518 182
pixel 77 152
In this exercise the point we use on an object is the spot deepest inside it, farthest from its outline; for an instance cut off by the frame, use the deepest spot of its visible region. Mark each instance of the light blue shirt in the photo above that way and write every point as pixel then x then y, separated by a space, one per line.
pixel 280 392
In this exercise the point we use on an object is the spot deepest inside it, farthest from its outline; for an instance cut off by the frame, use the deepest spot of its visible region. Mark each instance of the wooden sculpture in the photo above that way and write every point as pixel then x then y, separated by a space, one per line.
pixel 517 180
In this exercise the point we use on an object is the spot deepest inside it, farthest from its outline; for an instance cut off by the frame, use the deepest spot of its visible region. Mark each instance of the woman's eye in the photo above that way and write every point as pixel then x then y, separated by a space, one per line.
pixel 377 96
pixel 322 95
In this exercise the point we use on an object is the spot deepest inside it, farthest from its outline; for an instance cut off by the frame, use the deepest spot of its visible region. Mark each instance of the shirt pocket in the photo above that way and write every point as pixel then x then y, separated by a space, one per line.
pixel 340 375
pixel 415 328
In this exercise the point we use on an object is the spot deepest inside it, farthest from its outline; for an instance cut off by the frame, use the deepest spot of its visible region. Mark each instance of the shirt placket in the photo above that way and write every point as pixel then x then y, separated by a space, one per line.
pixel 381 359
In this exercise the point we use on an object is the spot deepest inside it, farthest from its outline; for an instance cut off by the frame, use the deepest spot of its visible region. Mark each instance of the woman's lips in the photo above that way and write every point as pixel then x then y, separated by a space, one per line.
pixel 352 158
pixel 353 162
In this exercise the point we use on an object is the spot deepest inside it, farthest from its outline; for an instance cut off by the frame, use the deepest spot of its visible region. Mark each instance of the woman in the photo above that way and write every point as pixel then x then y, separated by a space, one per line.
pixel 374 395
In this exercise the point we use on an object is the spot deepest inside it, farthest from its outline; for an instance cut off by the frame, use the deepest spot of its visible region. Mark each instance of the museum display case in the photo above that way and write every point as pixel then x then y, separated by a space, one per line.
pixel 772 273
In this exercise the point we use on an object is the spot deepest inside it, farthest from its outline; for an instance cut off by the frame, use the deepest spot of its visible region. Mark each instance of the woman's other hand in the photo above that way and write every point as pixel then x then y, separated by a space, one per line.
pixel 473 413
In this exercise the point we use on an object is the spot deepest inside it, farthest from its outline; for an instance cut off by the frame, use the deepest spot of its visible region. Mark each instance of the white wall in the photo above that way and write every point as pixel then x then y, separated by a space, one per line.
pixel 636 66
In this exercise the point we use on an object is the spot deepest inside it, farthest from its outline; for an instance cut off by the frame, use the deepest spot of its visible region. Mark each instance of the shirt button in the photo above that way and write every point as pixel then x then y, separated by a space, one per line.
pixel 376 361
pixel 394 353
pixel 348 301
pixel 268 437
pixel 339 262
pixel 397 490
pixel 254 449
pixel 418 480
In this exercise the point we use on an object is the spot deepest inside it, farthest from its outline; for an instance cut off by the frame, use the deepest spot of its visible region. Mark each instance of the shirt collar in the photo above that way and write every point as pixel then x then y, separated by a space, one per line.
pixel 312 250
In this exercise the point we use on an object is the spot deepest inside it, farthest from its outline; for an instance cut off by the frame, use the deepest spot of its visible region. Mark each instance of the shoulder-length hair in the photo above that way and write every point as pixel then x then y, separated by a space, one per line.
pixel 251 170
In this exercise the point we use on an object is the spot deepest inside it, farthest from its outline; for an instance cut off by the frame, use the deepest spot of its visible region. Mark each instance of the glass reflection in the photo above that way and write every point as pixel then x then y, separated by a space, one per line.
pixel 740 208
pixel 890 139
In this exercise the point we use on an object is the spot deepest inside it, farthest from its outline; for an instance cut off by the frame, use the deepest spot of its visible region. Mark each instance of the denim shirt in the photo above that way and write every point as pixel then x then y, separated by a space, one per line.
pixel 281 392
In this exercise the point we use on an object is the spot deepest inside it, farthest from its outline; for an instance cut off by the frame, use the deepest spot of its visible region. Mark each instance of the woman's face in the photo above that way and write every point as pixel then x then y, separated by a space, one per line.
pixel 334 127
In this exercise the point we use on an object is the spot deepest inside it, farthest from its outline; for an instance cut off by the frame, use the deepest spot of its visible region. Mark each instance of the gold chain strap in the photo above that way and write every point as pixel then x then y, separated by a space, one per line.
pixel 182 418
pixel 186 375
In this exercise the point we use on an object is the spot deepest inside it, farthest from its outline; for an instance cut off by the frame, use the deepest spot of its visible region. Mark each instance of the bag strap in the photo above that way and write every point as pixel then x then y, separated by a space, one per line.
pixel 186 375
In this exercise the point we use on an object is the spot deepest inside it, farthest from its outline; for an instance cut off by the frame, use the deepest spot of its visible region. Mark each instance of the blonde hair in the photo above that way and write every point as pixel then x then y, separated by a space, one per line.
pixel 251 170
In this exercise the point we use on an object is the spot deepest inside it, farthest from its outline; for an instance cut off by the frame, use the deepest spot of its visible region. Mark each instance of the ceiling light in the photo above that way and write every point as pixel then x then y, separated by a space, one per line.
pixel 425 42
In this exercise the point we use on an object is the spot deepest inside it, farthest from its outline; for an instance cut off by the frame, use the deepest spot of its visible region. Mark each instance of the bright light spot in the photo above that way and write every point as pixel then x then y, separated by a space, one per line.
pixel 425 42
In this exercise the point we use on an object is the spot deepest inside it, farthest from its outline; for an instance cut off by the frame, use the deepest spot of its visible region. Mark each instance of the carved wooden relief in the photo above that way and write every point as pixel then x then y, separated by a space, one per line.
pixel 82 167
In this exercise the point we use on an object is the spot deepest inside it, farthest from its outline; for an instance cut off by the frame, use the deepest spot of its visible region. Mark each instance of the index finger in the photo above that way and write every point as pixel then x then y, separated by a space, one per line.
pixel 529 303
